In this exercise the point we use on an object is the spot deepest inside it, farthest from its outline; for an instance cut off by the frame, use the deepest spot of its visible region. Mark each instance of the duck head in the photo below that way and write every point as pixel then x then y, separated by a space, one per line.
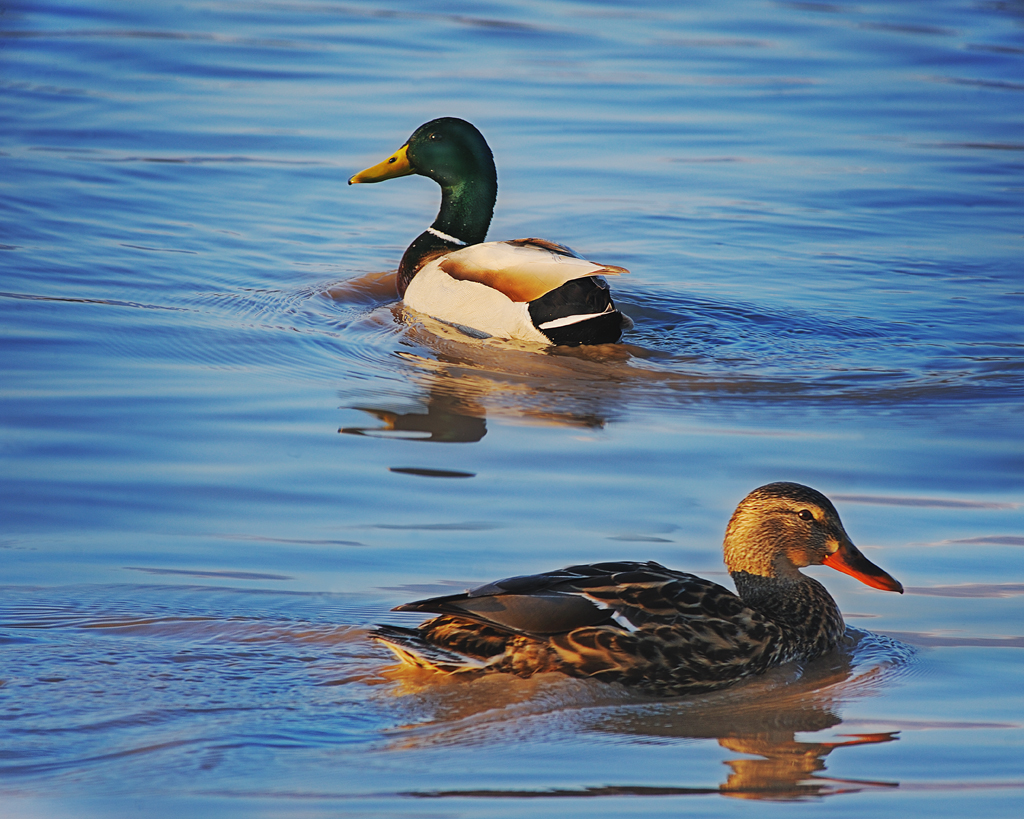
pixel 449 150
pixel 782 527
pixel 454 154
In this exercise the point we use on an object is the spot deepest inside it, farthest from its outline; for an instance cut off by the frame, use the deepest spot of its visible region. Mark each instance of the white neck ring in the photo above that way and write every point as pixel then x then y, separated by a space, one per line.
pixel 446 237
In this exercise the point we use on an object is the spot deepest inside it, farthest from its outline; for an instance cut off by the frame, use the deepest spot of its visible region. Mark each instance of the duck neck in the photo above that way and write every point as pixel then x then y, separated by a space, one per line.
pixel 806 613
pixel 466 210
pixel 467 207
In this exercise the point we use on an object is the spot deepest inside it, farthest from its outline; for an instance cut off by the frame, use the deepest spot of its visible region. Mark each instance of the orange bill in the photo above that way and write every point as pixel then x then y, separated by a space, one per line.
pixel 848 559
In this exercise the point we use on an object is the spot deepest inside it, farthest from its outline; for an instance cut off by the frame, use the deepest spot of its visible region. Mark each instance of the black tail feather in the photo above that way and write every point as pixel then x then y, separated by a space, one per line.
pixel 580 297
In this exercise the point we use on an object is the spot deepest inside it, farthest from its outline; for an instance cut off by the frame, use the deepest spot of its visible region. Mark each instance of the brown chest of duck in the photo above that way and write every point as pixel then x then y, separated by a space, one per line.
pixel 643 625
pixel 528 289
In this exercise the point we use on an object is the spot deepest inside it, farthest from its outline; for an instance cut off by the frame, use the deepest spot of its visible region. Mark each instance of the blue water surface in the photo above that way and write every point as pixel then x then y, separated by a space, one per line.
pixel 227 451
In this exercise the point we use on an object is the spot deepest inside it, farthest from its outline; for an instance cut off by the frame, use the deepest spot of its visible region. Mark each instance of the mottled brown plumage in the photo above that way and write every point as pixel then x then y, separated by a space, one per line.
pixel 641 624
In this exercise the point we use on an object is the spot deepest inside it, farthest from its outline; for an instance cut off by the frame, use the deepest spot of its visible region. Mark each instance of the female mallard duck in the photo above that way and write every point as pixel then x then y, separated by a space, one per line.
pixel 528 289
pixel 643 625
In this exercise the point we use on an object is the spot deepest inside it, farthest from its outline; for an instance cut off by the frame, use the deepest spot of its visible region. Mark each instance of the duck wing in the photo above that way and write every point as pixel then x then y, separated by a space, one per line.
pixel 620 595
pixel 522 269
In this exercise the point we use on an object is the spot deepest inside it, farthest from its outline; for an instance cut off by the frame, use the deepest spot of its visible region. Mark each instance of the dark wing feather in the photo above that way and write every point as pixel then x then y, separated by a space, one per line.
pixel 586 595
pixel 540 613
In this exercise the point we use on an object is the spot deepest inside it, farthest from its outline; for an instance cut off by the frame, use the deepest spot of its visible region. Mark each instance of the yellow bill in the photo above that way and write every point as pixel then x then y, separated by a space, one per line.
pixel 394 166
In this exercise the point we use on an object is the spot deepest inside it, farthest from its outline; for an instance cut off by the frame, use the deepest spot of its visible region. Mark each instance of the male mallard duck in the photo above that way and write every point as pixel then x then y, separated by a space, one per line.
pixel 528 289
pixel 643 625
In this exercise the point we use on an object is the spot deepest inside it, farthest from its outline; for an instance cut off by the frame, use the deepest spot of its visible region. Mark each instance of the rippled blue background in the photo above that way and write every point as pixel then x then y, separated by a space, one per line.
pixel 204 397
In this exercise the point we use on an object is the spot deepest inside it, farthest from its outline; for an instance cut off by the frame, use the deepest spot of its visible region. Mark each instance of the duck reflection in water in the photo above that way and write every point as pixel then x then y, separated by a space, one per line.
pixel 805 700
pixel 788 769
pixel 460 393
pixel 441 423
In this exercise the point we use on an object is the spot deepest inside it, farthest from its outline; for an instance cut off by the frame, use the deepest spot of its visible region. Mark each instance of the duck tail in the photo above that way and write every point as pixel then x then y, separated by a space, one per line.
pixel 581 311
pixel 410 647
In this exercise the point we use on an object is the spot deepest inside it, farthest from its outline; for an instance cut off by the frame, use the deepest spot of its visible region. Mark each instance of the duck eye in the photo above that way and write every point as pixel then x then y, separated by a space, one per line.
pixel 805 514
